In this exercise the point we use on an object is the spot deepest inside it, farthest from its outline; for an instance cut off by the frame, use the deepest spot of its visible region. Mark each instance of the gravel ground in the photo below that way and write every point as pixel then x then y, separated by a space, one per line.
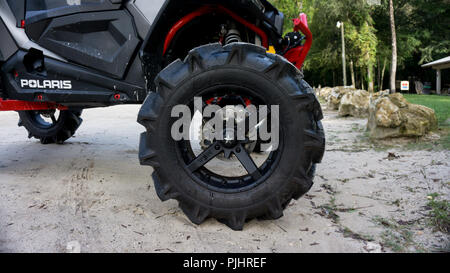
pixel 91 195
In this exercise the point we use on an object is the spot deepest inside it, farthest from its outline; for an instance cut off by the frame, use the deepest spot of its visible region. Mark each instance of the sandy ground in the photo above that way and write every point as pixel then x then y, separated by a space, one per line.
pixel 91 195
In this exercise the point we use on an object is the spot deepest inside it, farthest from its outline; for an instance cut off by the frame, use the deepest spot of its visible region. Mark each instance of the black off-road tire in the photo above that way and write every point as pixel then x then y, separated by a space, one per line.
pixel 58 132
pixel 281 84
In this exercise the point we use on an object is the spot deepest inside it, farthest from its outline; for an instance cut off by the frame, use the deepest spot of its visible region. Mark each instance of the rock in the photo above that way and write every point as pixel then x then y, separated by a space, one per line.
pixel 324 92
pixel 387 113
pixel 377 95
pixel 399 100
pixel 419 120
pixel 372 247
pixel 432 137
pixel 393 116
pixel 355 104
pixel 335 96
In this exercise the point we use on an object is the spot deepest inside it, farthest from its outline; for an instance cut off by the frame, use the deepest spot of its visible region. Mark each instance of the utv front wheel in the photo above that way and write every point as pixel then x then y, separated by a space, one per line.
pixel 254 186
pixel 51 126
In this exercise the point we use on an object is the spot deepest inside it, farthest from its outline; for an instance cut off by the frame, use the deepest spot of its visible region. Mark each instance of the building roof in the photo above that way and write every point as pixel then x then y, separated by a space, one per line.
pixel 439 64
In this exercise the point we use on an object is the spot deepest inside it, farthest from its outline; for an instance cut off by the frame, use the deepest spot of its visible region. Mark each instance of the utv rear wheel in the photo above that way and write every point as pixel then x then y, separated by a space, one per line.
pixel 51 126
pixel 264 189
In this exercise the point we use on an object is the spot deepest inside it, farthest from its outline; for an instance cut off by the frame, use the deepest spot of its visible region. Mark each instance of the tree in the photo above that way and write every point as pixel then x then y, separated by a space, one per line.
pixel 394 46
pixel 431 26
pixel 291 10
pixel 420 28
pixel 361 39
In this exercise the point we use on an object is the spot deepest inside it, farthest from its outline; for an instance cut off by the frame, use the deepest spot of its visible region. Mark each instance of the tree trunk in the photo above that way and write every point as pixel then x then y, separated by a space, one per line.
pixel 362 78
pixel 382 74
pixel 370 86
pixel 344 68
pixel 394 46
pixel 378 73
pixel 357 78
pixel 353 74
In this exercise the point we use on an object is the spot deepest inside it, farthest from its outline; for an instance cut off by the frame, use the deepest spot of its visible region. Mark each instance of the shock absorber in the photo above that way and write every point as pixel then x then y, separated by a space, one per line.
pixel 233 35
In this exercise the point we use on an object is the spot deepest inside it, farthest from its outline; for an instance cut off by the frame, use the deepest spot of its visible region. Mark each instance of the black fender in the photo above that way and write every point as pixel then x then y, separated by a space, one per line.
pixel 267 17
pixel 172 10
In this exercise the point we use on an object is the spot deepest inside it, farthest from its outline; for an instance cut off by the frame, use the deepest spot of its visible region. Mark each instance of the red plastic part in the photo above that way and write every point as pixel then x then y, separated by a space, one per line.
pixel 19 105
pixel 298 55
pixel 207 9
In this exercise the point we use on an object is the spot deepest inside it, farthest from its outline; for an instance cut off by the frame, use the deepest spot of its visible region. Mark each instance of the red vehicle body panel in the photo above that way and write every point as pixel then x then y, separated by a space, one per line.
pixel 18 105
pixel 298 54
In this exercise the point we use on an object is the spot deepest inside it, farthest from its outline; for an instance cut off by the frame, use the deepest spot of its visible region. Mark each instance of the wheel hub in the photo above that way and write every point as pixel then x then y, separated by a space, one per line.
pixel 229 138
pixel 230 162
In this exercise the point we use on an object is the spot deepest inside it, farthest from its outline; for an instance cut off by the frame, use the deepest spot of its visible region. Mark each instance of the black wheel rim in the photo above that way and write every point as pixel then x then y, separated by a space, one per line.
pixel 256 174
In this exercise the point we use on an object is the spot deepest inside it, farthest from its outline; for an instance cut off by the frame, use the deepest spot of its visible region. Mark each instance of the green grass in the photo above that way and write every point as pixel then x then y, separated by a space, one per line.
pixel 397 237
pixel 440 104
pixel 440 214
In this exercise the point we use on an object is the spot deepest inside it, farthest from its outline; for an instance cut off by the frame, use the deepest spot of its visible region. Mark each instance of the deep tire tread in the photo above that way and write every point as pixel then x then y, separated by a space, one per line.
pixel 280 70
pixel 70 123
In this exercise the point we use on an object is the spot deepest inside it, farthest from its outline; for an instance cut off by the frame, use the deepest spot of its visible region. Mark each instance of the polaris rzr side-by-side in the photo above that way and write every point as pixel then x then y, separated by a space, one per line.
pixel 58 57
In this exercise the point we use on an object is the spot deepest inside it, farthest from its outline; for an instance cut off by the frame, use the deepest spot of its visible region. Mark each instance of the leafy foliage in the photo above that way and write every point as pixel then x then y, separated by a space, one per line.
pixel 423 35
pixel 291 10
